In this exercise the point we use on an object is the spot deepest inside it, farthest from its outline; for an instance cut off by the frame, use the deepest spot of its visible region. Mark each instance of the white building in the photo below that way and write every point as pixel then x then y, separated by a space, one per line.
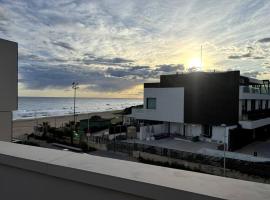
pixel 213 106
pixel 8 86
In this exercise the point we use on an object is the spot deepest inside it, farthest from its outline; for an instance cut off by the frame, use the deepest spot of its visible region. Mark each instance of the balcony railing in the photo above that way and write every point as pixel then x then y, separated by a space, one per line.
pixel 254 90
pixel 256 115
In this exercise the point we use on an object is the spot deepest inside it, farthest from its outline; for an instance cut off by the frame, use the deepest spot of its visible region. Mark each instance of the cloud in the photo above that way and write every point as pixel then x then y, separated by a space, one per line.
pixel 251 74
pixel 234 57
pixel 143 72
pixel 111 46
pixel 61 77
pixel 64 45
pixel 92 59
pixel 264 40
pixel 258 57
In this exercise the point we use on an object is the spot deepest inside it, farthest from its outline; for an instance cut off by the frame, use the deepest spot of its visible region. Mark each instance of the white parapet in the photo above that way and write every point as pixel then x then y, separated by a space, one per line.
pixel 169 105
pixel 255 123
pixel 29 172
pixel 8 86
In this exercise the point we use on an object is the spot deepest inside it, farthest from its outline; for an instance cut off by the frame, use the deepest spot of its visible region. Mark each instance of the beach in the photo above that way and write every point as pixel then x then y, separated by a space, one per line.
pixel 25 126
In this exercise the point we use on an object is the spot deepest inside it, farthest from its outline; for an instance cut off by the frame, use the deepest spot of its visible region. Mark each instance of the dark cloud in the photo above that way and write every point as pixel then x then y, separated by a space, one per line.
pixel 139 72
pixel 40 76
pixel 129 72
pixel 32 58
pixel 258 57
pixel 92 59
pixel 170 68
pixel 61 76
pixel 247 55
pixel 234 57
pixel 63 45
pixel 264 40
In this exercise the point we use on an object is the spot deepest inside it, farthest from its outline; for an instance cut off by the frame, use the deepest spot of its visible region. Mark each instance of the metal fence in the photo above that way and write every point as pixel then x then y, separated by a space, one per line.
pixel 254 168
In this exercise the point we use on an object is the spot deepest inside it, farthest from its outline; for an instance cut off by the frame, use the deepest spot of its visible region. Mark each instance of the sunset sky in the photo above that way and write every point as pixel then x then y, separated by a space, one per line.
pixel 111 47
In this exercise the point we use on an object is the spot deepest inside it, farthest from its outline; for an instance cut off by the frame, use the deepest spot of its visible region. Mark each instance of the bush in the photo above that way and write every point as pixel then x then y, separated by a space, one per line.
pixel 85 147
pixel 195 139
pixel 29 143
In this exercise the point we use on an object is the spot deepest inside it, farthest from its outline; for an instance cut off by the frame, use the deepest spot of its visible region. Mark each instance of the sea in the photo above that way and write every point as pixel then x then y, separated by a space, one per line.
pixel 37 107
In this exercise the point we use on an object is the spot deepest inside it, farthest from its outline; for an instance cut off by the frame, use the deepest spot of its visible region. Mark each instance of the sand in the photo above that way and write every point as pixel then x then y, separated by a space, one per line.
pixel 25 126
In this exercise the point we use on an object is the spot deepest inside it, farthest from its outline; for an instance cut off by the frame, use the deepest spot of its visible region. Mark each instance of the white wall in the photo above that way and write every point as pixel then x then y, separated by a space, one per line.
pixel 248 105
pixel 8 75
pixel 193 130
pixel 146 131
pixel 30 173
pixel 8 86
pixel 255 124
pixel 240 109
pixel 169 105
pixel 218 134
pixel 5 126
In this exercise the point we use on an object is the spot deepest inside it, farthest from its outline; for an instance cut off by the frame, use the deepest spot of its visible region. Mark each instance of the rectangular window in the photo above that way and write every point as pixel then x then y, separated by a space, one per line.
pixel 151 103
pixel 244 106
pixel 260 104
pixel 266 104
pixel 253 105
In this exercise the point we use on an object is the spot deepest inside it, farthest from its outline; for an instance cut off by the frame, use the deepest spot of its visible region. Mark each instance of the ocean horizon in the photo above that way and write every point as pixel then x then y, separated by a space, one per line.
pixel 37 107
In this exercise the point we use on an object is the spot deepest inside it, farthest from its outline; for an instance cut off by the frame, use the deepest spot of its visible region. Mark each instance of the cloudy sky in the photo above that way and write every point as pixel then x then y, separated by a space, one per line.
pixel 111 47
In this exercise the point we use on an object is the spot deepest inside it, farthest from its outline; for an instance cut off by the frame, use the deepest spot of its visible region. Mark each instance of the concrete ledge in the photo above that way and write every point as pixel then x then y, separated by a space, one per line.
pixel 255 123
pixel 136 179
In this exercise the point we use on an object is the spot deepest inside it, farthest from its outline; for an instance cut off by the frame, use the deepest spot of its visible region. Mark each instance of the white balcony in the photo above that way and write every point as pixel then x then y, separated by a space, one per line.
pixel 246 92
pixel 29 173
pixel 169 105
pixel 255 123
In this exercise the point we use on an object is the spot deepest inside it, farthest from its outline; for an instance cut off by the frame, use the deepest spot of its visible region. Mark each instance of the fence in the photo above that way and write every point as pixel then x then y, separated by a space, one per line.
pixel 261 169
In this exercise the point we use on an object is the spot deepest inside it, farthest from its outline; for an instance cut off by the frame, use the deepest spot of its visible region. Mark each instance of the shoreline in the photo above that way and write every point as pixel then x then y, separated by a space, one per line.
pixel 25 126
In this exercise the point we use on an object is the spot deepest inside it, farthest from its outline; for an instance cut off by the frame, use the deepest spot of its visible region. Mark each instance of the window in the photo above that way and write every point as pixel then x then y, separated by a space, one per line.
pixel 151 103
pixel 207 131
pixel 266 104
pixel 260 104
pixel 253 105
pixel 244 106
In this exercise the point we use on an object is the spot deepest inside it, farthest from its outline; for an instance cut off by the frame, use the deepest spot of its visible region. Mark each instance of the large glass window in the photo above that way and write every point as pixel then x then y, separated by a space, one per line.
pixel 151 103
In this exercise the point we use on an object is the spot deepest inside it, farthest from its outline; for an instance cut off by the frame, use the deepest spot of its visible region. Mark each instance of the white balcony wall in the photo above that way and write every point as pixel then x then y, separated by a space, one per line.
pixel 8 75
pixel 8 86
pixel 30 173
pixel 255 124
pixel 169 105
pixel 250 95
pixel 5 126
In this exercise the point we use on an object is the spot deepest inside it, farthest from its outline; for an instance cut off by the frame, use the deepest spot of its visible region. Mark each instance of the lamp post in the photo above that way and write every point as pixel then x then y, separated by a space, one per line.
pixel 74 87
pixel 224 150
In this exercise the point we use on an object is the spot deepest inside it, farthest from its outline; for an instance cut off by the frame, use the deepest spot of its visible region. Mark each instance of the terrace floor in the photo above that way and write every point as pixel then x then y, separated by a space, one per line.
pixel 261 147
pixel 177 144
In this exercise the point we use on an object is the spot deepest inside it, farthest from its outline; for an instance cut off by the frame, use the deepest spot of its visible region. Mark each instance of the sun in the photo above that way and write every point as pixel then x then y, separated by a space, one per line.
pixel 195 63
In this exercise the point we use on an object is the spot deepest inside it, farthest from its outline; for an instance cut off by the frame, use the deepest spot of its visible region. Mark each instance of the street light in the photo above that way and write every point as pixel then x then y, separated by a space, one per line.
pixel 74 87
pixel 224 149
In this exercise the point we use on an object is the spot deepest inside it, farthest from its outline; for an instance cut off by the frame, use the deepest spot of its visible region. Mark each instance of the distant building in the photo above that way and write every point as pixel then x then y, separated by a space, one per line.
pixel 207 105
pixel 8 86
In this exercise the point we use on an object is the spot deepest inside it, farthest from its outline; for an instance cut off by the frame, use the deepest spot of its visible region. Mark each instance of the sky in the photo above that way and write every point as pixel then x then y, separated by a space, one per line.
pixel 111 47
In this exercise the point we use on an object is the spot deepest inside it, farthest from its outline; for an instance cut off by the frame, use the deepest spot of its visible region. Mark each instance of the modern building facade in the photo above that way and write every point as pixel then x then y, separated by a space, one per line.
pixel 214 106
pixel 8 86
